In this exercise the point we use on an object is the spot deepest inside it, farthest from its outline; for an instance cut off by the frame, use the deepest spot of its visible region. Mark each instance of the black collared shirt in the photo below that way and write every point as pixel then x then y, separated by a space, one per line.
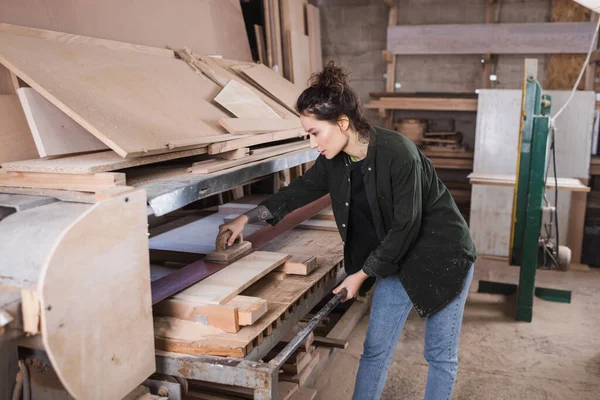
pixel 423 237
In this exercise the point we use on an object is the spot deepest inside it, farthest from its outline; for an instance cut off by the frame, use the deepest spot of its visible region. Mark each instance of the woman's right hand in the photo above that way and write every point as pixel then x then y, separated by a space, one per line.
pixel 236 227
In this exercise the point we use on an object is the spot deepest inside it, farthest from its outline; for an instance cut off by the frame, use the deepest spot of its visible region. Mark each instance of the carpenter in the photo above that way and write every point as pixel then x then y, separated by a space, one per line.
pixel 400 227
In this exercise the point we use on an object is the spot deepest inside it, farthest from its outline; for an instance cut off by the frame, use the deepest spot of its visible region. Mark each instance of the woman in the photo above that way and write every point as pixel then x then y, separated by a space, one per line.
pixel 398 223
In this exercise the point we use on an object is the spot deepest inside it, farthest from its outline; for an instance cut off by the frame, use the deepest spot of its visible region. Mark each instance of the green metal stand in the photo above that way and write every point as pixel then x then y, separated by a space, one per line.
pixel 529 197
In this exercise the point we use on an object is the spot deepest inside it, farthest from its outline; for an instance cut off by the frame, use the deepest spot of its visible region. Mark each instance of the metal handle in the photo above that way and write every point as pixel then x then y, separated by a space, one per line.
pixel 303 334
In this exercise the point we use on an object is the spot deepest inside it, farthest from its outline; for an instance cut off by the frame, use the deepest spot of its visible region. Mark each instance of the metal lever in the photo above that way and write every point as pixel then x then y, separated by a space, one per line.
pixel 303 334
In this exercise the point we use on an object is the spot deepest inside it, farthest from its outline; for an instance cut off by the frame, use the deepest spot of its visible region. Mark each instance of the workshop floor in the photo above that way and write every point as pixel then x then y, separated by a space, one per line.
pixel 557 356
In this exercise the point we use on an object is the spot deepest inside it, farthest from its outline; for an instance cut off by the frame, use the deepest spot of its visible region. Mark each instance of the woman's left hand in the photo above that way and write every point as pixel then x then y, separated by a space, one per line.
pixel 352 283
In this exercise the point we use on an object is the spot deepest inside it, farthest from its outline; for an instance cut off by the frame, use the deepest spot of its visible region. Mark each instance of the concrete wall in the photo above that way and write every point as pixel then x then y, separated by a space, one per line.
pixel 355 31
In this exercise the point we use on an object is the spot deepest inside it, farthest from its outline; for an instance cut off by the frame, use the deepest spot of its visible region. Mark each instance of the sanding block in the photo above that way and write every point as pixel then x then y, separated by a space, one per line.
pixel 224 254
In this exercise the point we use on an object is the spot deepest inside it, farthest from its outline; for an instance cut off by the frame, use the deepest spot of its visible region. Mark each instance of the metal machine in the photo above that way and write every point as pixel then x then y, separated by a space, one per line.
pixel 526 243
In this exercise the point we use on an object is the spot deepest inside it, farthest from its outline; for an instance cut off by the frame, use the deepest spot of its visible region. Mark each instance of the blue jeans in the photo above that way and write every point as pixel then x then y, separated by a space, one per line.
pixel 389 311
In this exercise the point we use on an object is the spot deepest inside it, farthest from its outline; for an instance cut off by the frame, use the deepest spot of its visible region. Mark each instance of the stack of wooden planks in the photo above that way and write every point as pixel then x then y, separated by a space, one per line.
pixel 78 108
pixel 293 39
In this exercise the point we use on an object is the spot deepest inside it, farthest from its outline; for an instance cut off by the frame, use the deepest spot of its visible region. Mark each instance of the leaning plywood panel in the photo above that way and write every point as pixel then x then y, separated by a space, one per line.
pixel 313 20
pixel 243 102
pixel 300 58
pixel 496 151
pixel 16 142
pixel 137 104
pixel 53 131
pixel 205 26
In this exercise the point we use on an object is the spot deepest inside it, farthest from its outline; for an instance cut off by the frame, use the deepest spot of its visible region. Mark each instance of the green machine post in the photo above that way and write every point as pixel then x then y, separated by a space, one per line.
pixel 528 200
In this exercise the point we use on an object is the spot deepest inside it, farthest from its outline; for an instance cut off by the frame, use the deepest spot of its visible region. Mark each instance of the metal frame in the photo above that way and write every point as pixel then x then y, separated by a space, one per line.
pixel 174 193
pixel 245 372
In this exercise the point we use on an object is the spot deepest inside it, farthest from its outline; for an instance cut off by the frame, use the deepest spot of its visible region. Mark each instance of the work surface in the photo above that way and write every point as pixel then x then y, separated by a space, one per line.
pixel 557 356
pixel 282 295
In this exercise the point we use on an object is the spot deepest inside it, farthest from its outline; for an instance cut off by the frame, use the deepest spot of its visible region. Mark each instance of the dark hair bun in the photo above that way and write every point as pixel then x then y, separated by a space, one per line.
pixel 331 77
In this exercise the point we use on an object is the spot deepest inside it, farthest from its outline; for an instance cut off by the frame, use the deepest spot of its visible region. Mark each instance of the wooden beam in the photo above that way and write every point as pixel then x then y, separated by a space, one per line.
pixel 299 265
pixel 521 38
pixel 77 182
pixel 427 104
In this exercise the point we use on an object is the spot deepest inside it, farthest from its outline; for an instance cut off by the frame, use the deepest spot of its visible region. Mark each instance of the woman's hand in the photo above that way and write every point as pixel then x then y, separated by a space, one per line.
pixel 236 227
pixel 352 283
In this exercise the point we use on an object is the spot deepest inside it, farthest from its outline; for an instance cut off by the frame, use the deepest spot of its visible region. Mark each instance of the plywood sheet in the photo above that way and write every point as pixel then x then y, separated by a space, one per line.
pixel 313 19
pixel 521 38
pixel 496 150
pixel 205 26
pixel 225 284
pixel 16 142
pixel 137 104
pixel 54 133
pixel 300 58
pixel 292 19
pixel 95 162
pixel 277 86
pixel 245 126
pixel 243 103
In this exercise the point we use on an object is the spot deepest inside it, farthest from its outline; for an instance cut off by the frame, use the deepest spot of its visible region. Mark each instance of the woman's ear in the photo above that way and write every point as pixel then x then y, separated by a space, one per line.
pixel 343 123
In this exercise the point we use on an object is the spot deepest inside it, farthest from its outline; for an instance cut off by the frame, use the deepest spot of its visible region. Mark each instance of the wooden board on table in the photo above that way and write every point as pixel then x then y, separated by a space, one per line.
pixel 316 224
pixel 209 166
pixel 299 265
pixel 95 162
pixel 246 126
pixel 104 251
pixel 274 84
pixel 224 285
pixel 503 38
pixel 83 183
pixel 313 20
pixel 300 58
pixel 243 102
pixel 54 133
pixel 16 142
pixel 206 27
pixel 109 93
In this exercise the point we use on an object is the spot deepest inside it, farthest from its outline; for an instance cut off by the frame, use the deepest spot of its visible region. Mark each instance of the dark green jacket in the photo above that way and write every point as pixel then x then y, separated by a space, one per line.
pixel 424 238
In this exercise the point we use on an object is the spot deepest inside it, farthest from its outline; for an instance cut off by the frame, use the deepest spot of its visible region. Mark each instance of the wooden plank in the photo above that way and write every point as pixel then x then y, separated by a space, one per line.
pixel 349 320
pixel 71 38
pixel 223 70
pixel 42 180
pixel 6 82
pixel 259 34
pixel 126 85
pixel 234 154
pixel 16 142
pixel 292 19
pixel 502 38
pixel 316 224
pixel 224 285
pixel 299 265
pixel 313 19
pixel 277 42
pixel 221 317
pixel 427 104
pixel 330 342
pixel 206 27
pixel 302 361
pixel 253 140
pixel 303 375
pixel 95 162
pixel 210 166
pixel 250 309
pixel 569 184
pixel 243 103
pixel 54 133
pixel 64 195
pixel 300 58
pixel 304 393
pixel 246 126
pixel 268 31
pixel 278 87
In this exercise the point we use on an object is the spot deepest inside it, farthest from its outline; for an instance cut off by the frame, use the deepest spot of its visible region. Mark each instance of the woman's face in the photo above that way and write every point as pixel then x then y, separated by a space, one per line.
pixel 325 136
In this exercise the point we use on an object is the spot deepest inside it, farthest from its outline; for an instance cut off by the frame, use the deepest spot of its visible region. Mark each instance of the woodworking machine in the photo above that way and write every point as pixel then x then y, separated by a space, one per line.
pixel 527 244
